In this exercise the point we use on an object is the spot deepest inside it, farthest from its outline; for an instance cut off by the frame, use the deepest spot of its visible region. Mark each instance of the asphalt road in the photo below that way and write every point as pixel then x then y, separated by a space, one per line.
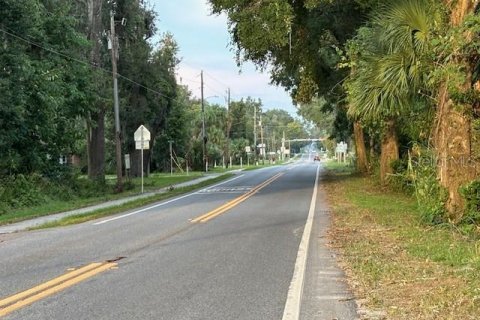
pixel 162 262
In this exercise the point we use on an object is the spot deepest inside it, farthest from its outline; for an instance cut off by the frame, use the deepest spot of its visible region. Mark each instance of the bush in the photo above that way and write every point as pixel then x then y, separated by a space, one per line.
pixel 86 188
pixel 431 197
pixel 20 191
pixel 471 194
pixel 401 179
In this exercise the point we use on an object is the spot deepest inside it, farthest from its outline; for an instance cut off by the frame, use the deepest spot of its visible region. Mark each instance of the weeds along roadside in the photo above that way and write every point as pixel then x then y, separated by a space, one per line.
pixel 398 266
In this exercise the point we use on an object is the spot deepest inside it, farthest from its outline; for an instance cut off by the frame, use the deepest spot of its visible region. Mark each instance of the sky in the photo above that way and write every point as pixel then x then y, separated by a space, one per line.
pixel 204 44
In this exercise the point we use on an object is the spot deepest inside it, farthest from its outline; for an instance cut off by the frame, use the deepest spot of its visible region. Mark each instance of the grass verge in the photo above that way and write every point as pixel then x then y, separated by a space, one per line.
pixel 79 218
pixel 397 267
pixel 153 182
pixel 248 166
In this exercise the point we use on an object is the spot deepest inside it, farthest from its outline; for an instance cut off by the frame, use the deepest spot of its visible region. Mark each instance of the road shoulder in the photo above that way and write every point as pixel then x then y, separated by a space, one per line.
pixel 326 294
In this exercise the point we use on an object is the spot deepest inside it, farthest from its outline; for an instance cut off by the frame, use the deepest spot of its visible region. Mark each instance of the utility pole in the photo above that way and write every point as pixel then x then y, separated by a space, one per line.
pixel 262 149
pixel 255 134
pixel 229 127
pixel 118 144
pixel 273 147
pixel 171 156
pixel 204 136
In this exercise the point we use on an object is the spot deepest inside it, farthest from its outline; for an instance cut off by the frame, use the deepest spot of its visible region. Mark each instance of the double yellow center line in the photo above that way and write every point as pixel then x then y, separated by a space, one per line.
pixel 229 205
pixel 53 286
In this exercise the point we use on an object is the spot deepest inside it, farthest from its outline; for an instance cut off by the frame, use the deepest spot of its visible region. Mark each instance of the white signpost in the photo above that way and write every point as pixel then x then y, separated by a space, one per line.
pixel 341 151
pixel 142 142
pixel 248 150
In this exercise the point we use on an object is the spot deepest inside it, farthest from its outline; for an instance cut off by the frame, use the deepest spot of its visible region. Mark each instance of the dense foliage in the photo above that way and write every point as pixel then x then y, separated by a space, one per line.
pixel 43 94
pixel 405 72
pixel 56 101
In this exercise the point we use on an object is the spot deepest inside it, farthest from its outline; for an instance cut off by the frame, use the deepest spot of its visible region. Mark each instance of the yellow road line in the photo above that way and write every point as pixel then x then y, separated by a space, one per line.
pixel 229 205
pixel 51 287
pixel 47 284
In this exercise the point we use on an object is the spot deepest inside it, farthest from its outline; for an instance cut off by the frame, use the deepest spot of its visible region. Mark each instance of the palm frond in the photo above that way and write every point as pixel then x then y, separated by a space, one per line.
pixel 394 65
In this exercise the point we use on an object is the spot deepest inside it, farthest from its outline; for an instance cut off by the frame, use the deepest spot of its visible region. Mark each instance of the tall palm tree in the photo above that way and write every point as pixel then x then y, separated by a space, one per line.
pixel 392 65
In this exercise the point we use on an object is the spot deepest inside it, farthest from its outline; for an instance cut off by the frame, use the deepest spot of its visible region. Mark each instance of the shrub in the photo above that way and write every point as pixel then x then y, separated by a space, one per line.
pixel 20 191
pixel 86 188
pixel 431 196
pixel 401 179
pixel 471 194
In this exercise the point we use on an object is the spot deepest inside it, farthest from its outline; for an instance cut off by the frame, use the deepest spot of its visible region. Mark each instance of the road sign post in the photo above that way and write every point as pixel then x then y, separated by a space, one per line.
pixel 142 141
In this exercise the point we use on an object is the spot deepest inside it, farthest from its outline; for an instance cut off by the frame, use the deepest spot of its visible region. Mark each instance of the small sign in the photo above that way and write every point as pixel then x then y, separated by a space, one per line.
pixel 127 161
pixel 341 147
pixel 142 133
pixel 139 145
pixel 248 149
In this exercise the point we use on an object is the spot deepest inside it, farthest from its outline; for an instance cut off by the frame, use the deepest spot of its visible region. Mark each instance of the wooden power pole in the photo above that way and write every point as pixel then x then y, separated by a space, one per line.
pixel 118 144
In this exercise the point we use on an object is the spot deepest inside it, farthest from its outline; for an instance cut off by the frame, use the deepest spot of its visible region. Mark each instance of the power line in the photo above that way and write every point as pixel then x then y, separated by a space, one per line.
pixel 215 90
pixel 88 64
pixel 188 79
pixel 85 63
pixel 223 84
pixel 215 79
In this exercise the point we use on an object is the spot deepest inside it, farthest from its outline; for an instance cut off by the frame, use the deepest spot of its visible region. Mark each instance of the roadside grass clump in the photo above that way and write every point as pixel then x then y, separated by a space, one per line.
pixel 398 266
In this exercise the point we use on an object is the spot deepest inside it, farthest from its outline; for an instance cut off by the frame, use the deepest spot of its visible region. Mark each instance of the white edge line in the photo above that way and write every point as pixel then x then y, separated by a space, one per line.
pixel 295 291
pixel 161 204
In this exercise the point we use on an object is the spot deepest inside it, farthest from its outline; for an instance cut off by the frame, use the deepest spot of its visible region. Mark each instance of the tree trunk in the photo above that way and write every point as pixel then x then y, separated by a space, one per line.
pixel 453 147
pixel 226 152
pixel 460 9
pixel 372 148
pixel 452 136
pixel 361 153
pixel 96 147
pixel 96 126
pixel 136 162
pixel 476 133
pixel 389 151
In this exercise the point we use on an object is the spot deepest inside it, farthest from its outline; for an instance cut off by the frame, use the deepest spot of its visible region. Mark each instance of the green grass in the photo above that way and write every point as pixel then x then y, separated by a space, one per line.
pixel 391 209
pixel 246 166
pixel 153 182
pixel 338 168
pixel 398 265
pixel 75 219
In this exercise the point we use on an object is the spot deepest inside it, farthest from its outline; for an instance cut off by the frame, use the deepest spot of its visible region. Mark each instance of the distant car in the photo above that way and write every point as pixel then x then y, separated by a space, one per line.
pixel 316 158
